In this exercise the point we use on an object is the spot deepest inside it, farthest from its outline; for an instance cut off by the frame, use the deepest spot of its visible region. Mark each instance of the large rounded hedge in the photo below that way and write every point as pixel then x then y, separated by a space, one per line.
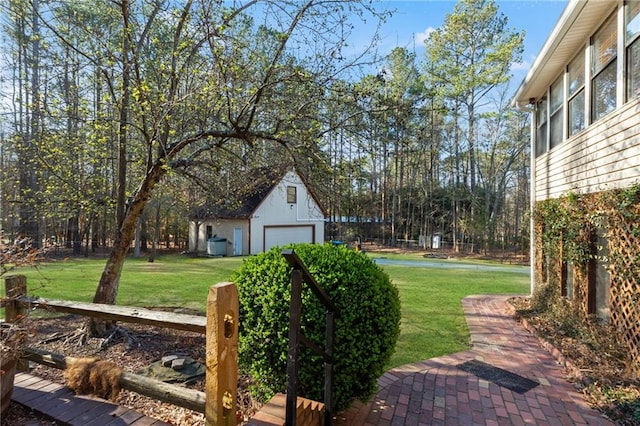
pixel 366 328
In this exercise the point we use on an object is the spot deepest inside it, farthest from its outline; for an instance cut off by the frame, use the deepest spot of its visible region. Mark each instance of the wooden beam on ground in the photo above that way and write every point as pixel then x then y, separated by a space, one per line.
pixel 166 392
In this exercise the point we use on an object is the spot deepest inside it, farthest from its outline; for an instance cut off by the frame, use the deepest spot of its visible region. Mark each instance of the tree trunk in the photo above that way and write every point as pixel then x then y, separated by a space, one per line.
pixel 126 216
pixel 197 235
pixel 29 214
pixel 109 281
pixel 156 234
pixel 77 238
pixel 121 202
pixel 137 244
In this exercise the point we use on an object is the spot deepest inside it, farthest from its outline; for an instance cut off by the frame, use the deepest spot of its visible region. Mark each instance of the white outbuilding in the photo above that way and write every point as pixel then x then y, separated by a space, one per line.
pixel 276 211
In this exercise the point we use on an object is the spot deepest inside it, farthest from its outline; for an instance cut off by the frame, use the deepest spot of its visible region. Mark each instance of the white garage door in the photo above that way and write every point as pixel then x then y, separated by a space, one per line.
pixel 282 235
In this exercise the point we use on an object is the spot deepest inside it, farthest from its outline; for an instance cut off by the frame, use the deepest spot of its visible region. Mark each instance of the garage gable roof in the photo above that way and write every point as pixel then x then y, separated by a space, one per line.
pixel 246 202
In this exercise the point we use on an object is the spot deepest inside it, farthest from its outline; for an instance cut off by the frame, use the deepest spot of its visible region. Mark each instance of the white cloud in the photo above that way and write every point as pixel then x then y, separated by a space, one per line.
pixel 420 38
pixel 521 66
pixel 525 65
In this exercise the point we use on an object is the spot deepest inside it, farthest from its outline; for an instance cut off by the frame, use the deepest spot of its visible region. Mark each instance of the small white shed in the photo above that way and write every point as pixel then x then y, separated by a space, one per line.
pixel 277 211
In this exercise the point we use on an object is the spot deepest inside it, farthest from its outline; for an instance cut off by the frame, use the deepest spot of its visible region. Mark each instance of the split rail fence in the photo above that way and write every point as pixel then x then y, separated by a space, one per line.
pixel 220 326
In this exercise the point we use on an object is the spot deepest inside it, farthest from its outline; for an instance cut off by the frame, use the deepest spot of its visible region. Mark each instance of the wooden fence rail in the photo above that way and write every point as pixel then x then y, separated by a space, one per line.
pixel 129 314
pixel 220 327
pixel 156 389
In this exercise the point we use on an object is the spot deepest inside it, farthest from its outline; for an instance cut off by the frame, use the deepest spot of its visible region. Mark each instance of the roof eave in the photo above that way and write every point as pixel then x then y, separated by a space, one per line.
pixel 561 46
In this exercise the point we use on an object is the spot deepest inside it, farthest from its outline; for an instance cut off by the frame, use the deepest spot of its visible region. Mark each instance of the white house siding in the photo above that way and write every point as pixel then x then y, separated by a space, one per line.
pixel 287 234
pixel 604 156
pixel 274 211
pixel 223 229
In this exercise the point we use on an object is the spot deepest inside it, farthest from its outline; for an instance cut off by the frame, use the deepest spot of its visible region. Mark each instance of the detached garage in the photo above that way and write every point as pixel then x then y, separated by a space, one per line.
pixel 284 234
pixel 279 210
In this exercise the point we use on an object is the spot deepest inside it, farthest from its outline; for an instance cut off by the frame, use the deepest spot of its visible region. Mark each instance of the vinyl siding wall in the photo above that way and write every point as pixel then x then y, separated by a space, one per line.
pixel 275 211
pixel 606 155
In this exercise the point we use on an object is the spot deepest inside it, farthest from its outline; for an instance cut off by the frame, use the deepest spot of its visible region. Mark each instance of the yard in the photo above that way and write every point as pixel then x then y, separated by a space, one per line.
pixel 432 320
pixel 430 292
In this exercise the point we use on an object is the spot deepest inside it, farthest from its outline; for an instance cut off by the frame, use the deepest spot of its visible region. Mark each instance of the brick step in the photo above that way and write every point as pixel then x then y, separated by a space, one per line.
pixel 273 413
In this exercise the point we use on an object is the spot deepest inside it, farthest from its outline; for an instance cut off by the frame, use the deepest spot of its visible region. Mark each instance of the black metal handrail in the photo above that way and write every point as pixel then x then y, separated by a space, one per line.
pixel 299 275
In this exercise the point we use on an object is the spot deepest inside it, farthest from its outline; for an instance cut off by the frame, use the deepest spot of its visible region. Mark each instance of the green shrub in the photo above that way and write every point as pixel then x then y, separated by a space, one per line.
pixel 366 328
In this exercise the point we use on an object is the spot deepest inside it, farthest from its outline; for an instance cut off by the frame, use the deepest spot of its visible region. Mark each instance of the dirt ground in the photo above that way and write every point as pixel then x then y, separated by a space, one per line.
pixel 136 348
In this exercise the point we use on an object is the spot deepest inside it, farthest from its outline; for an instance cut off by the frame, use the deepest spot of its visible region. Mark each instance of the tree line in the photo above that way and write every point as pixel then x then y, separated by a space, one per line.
pixel 121 117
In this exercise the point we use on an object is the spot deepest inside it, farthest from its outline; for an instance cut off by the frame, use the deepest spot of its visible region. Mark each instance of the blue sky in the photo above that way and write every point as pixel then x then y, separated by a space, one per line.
pixel 413 20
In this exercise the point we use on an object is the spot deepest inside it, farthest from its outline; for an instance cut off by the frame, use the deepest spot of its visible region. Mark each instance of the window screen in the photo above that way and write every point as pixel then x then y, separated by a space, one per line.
pixel 603 66
pixel 575 94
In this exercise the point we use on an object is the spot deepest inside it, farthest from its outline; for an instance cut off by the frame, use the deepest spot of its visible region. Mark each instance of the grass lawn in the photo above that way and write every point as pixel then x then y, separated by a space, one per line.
pixel 433 323
pixel 170 281
pixel 432 320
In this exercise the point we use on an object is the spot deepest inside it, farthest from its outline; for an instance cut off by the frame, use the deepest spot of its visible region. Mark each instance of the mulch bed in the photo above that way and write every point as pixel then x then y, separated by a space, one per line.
pixel 136 347
pixel 595 360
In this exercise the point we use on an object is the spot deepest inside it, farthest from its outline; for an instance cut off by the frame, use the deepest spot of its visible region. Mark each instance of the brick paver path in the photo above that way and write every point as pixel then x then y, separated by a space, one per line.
pixel 437 392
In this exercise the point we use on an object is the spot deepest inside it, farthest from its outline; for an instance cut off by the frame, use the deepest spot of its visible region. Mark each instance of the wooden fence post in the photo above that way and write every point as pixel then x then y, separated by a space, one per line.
pixel 221 386
pixel 15 286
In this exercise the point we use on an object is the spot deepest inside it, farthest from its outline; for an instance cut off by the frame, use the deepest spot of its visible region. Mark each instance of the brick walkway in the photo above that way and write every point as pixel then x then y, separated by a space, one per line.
pixel 439 392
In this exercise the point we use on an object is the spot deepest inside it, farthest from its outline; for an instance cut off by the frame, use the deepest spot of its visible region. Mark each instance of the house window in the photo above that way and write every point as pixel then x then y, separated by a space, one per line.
pixel 632 35
pixel 291 195
pixel 603 69
pixel 575 94
pixel 555 107
pixel 541 131
pixel 209 231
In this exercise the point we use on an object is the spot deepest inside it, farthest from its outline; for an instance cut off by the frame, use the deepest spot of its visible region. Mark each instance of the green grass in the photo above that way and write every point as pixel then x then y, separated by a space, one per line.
pixel 169 281
pixel 433 322
pixel 432 325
